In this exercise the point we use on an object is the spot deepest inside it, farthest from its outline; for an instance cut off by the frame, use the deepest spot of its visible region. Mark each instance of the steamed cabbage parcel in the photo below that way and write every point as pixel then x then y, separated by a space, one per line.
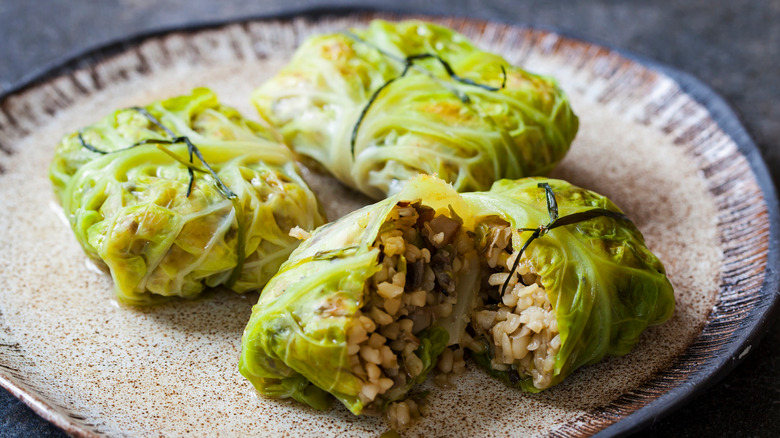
pixel 142 203
pixel 364 308
pixel 578 293
pixel 379 105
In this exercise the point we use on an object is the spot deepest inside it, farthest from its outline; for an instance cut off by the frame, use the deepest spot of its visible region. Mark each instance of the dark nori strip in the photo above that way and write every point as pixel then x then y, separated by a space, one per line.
pixel 88 146
pixel 555 222
pixel 191 149
pixel 223 189
pixel 409 63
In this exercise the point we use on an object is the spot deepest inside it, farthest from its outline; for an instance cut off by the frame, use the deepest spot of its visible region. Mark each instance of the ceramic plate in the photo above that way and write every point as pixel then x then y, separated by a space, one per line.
pixel 657 142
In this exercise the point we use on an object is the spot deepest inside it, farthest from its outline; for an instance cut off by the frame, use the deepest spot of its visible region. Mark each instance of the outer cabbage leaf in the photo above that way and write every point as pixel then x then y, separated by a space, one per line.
pixel 130 211
pixel 297 332
pixel 424 122
pixel 605 286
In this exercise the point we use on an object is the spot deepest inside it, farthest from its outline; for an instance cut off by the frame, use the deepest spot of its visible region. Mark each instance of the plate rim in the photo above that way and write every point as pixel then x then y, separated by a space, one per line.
pixel 753 326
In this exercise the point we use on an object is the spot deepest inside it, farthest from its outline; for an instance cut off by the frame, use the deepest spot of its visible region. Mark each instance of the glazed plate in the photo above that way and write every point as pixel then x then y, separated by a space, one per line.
pixel 661 145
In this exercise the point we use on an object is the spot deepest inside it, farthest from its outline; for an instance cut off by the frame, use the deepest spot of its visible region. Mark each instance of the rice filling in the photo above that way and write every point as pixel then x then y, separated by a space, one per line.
pixel 421 252
pixel 518 325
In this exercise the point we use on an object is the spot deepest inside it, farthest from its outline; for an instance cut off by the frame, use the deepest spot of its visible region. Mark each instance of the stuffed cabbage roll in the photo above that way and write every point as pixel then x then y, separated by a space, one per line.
pixel 358 310
pixel 181 195
pixel 364 307
pixel 568 280
pixel 379 105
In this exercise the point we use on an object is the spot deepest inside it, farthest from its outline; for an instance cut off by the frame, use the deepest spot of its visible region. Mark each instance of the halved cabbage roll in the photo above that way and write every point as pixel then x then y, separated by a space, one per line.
pixel 585 289
pixel 359 309
pixel 365 306
pixel 379 105
pixel 180 195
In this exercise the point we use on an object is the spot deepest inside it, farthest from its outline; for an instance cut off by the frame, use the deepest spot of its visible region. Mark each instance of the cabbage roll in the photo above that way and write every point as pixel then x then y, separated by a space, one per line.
pixel 585 288
pixel 181 195
pixel 365 307
pixel 379 105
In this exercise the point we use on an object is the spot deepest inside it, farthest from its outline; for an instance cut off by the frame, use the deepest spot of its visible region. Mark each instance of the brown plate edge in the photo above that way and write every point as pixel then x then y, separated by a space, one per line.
pixel 43 408
pixel 727 335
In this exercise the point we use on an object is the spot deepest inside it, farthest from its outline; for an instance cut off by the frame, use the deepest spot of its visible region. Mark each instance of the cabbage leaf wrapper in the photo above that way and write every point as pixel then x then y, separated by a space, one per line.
pixel 181 195
pixel 379 105
pixel 309 335
pixel 603 286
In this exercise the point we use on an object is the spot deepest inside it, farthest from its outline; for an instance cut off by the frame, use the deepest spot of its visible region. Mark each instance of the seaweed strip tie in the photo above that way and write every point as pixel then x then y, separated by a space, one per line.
pixel 191 149
pixel 409 62
pixel 555 222
pixel 223 189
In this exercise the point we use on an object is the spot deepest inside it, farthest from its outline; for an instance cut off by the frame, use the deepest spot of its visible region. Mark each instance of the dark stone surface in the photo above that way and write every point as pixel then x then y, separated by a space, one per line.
pixel 733 46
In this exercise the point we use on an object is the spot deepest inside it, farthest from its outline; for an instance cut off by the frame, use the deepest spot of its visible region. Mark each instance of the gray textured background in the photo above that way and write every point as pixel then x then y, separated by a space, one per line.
pixel 733 46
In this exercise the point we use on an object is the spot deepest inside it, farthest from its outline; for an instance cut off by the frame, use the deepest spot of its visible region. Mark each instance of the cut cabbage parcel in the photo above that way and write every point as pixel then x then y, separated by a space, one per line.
pixel 379 105
pixel 179 195
pixel 536 277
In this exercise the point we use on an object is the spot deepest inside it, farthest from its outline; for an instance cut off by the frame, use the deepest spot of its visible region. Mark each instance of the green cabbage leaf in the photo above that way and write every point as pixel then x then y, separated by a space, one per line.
pixel 124 185
pixel 605 285
pixel 298 328
pixel 377 106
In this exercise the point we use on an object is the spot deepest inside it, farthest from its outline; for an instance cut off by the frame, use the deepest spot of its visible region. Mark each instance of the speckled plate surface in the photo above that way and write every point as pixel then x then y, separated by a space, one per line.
pixel 657 142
